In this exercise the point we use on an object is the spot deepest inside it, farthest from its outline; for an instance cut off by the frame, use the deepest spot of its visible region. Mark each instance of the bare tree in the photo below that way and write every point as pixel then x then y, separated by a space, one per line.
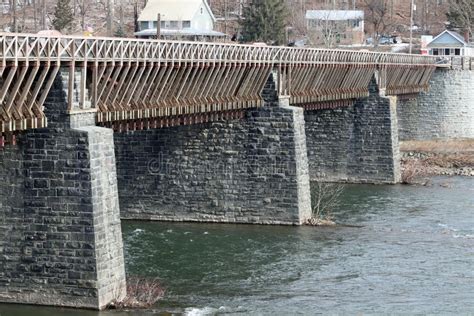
pixel 82 6
pixel 461 16
pixel 296 17
pixel 378 18
pixel 325 198
pixel 326 28
pixel 229 12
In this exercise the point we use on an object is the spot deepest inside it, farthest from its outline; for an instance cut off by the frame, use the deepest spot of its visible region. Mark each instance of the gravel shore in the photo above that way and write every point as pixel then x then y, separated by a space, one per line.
pixel 423 159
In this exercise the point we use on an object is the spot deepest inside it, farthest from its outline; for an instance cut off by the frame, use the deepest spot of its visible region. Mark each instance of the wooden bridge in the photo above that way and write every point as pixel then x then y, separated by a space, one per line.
pixel 133 83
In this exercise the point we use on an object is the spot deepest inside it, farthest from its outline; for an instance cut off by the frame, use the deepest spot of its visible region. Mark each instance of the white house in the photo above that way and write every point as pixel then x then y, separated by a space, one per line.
pixel 179 18
pixel 450 43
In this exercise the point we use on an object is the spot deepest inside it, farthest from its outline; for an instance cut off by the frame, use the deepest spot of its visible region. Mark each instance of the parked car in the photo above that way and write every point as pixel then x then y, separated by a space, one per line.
pixel 385 40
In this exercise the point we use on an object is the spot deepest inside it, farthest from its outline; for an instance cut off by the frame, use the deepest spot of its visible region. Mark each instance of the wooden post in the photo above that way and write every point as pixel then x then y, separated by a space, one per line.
pixel 83 81
pixel 158 26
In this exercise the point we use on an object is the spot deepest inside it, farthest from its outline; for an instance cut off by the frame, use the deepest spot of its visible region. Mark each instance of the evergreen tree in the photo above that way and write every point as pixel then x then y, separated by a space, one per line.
pixel 461 16
pixel 63 16
pixel 264 21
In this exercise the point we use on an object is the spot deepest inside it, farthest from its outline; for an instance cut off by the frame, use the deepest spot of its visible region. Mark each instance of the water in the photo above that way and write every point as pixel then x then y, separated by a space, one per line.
pixel 414 253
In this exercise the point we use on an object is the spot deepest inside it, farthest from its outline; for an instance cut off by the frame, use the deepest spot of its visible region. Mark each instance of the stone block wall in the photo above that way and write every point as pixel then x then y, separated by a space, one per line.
pixel 356 144
pixel 59 206
pixel 446 111
pixel 252 170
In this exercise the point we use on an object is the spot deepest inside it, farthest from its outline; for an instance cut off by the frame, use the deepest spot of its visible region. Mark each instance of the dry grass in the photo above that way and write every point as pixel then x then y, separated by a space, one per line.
pixel 141 293
pixel 320 222
pixel 450 161
pixel 439 146
pixel 416 170
pixel 413 171
pixel 436 157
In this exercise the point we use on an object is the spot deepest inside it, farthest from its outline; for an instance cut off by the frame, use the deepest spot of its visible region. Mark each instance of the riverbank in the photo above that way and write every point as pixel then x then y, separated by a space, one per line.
pixel 422 159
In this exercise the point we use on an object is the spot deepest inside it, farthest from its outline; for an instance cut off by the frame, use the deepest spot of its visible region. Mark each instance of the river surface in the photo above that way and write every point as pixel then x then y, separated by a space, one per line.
pixel 412 254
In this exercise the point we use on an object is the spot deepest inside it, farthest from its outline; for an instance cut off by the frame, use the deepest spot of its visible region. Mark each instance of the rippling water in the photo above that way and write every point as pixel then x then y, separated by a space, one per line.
pixel 414 253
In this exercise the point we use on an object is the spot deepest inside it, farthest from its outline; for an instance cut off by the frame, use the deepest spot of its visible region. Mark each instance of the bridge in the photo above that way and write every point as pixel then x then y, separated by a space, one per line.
pixel 95 130
pixel 144 83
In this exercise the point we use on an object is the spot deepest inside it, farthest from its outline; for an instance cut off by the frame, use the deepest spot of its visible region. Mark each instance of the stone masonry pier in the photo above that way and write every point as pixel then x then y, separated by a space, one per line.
pixel 446 111
pixel 60 234
pixel 253 170
pixel 357 144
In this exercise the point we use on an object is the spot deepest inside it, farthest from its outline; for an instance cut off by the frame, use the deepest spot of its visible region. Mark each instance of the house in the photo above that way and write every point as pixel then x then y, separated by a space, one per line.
pixel 450 43
pixel 187 19
pixel 332 27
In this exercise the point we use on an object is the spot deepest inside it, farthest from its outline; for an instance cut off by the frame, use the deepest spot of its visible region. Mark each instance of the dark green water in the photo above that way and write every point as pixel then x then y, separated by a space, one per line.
pixel 413 254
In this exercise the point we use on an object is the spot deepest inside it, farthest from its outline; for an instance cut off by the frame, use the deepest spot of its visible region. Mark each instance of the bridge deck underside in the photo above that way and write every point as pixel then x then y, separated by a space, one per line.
pixel 156 90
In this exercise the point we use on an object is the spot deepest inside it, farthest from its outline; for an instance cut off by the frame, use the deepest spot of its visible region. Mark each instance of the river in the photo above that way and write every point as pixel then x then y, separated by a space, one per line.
pixel 412 252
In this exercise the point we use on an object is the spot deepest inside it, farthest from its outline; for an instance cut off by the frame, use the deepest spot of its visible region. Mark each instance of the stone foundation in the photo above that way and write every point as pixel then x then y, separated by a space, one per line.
pixel 60 234
pixel 357 144
pixel 446 111
pixel 253 170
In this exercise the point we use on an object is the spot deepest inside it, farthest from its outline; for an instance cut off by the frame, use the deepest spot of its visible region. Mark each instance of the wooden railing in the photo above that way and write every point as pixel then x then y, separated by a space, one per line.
pixel 133 79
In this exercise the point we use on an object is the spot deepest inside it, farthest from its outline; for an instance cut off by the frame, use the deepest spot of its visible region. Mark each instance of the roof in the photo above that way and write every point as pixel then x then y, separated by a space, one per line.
pixel 182 32
pixel 448 39
pixel 334 15
pixel 172 10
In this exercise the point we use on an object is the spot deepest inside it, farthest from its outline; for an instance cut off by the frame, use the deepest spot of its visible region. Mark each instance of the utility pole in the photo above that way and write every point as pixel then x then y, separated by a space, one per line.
pixel 225 17
pixel 43 14
pixel 411 24
pixel 35 23
pixel 122 17
pixel 158 26
pixel 110 17
pixel 15 24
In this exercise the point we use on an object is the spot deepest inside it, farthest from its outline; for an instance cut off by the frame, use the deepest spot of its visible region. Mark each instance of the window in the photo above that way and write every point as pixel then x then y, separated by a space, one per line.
pixel 457 51
pixel 435 52
pixel 186 24
pixel 174 24
pixel 155 23
pixel 446 51
pixel 143 25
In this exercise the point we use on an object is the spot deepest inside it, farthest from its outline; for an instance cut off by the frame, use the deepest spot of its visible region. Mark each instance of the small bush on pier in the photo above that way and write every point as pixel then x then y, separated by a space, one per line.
pixel 141 293
pixel 325 197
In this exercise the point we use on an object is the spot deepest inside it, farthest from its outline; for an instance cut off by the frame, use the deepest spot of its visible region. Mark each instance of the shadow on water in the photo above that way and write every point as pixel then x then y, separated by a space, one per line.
pixel 413 254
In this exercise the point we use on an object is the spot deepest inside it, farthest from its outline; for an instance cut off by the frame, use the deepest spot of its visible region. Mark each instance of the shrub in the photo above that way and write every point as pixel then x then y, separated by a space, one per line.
pixel 325 197
pixel 141 293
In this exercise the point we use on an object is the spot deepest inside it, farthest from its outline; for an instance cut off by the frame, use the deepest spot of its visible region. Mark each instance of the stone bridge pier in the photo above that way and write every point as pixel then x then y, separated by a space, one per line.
pixel 60 233
pixel 248 170
pixel 444 112
pixel 357 143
